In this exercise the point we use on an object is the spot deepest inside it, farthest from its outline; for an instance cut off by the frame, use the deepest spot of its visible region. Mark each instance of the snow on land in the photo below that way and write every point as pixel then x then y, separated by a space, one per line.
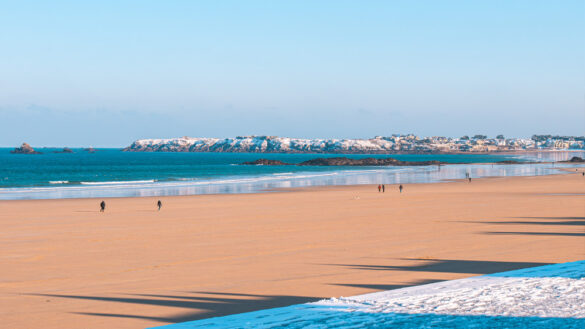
pixel 261 144
pixel 548 291
pixel 551 296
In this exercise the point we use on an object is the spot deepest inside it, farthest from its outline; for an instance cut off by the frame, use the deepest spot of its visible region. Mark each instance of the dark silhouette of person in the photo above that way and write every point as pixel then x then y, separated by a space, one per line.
pixel 383 188
pixel 400 188
pixel 102 206
pixel 583 173
pixel 469 179
pixel 379 187
pixel 159 204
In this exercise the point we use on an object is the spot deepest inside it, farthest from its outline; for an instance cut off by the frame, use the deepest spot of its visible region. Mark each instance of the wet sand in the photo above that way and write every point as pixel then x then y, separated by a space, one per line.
pixel 66 265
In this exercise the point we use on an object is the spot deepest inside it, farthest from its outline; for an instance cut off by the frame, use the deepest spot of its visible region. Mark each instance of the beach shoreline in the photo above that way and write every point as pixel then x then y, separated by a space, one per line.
pixel 67 265
pixel 271 179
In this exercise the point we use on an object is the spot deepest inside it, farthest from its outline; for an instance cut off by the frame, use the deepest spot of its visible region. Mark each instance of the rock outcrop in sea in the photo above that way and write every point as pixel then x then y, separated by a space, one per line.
pixel 24 149
pixel 575 160
pixel 343 161
pixel 65 150
pixel 267 162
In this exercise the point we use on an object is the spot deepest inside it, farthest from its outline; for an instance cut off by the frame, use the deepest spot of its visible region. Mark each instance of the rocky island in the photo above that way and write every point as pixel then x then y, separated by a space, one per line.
pixel 24 149
pixel 343 161
pixel 575 160
pixel 267 162
pixel 65 150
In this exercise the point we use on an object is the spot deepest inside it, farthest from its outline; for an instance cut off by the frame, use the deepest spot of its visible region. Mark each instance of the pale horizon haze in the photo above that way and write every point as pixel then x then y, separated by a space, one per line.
pixel 106 73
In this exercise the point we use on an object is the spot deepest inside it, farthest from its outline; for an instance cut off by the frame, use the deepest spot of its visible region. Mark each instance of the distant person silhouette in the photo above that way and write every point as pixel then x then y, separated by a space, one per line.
pixel 379 187
pixel 102 206
pixel 400 188
pixel 383 188
pixel 583 173
pixel 159 204
pixel 469 179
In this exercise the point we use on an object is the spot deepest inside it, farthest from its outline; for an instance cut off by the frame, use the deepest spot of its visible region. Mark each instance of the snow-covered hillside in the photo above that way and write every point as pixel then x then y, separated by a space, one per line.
pixel 264 144
pixel 381 145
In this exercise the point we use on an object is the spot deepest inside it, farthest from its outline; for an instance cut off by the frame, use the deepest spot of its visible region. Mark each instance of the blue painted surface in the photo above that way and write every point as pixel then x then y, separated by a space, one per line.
pixel 563 270
pixel 316 316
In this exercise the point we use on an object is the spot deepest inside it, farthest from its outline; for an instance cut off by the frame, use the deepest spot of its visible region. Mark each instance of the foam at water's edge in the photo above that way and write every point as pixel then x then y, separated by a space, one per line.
pixel 268 181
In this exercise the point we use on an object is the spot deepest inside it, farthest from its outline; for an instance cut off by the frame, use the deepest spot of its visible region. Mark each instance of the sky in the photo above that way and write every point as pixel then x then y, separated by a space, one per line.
pixel 105 73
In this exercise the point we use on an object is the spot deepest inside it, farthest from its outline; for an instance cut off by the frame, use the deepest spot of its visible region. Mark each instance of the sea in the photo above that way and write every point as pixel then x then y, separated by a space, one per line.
pixel 114 173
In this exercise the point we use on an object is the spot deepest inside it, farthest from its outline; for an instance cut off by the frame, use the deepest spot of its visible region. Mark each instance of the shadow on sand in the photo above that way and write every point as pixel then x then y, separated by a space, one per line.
pixel 211 305
pixel 571 221
pixel 449 266
pixel 197 305
pixel 537 233
pixel 383 287
pixel 546 221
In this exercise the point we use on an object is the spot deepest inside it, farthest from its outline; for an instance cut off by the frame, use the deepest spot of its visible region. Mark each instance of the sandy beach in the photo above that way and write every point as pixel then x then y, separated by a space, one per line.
pixel 66 265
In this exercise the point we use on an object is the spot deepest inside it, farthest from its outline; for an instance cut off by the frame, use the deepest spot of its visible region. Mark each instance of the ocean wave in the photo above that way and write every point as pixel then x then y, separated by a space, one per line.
pixel 58 182
pixel 120 182
pixel 267 181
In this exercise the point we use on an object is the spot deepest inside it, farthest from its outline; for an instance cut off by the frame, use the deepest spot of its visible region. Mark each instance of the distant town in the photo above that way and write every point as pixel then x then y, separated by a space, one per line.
pixel 379 144
pixel 481 143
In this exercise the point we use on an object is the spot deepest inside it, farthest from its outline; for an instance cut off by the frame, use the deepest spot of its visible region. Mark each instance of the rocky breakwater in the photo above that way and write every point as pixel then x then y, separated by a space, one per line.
pixel 24 149
pixel 343 161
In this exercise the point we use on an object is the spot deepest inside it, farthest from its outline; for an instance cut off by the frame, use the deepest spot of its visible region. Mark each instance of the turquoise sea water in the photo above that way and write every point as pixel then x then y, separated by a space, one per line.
pixel 111 172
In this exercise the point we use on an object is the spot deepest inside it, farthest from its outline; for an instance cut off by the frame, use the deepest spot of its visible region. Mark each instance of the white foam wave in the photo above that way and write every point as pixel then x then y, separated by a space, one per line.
pixel 119 182
pixel 59 182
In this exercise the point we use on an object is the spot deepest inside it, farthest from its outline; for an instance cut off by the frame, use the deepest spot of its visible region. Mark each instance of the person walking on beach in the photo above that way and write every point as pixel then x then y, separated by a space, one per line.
pixel 383 188
pixel 102 206
pixel 400 188
pixel 159 204
pixel 379 188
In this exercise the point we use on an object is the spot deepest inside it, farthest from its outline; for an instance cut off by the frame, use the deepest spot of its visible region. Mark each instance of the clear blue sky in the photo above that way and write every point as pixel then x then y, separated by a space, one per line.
pixel 105 73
